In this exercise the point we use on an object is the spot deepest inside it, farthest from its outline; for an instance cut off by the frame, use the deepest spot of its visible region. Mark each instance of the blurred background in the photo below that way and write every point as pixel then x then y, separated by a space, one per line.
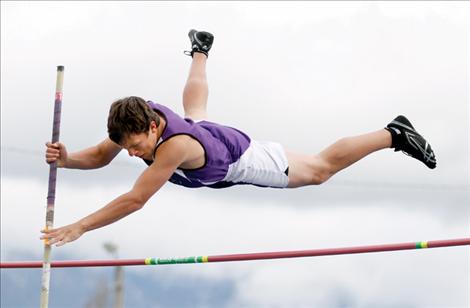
pixel 300 73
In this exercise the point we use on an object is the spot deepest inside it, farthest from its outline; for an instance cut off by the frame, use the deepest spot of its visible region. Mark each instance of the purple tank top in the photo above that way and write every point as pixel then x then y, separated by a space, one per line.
pixel 222 145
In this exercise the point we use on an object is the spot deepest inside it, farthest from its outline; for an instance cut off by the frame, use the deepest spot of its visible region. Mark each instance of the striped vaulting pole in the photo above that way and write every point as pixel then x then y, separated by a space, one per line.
pixel 248 256
pixel 46 264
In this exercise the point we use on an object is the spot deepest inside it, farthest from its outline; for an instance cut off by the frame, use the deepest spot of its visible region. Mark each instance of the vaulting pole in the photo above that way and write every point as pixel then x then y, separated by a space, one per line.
pixel 248 256
pixel 46 263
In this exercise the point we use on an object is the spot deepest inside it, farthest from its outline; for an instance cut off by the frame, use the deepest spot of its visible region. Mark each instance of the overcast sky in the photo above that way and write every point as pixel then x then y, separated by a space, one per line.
pixel 325 70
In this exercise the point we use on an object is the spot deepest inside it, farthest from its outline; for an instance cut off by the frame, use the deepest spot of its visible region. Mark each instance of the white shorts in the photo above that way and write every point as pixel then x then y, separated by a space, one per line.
pixel 263 163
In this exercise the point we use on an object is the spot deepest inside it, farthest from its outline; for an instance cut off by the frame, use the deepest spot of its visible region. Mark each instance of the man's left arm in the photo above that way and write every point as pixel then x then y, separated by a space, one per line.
pixel 170 155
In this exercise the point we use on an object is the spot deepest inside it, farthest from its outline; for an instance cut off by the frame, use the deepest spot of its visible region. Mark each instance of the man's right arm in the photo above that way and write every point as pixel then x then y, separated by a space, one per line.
pixel 91 158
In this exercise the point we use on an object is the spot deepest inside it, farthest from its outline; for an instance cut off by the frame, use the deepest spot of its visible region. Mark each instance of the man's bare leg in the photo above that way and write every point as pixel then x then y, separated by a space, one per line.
pixel 196 90
pixel 315 169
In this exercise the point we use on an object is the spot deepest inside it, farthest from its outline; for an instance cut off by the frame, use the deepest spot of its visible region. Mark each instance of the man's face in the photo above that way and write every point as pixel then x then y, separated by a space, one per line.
pixel 142 145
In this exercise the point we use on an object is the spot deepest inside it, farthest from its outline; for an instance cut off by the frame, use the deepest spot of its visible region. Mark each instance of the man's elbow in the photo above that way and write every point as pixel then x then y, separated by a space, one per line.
pixel 136 202
pixel 102 161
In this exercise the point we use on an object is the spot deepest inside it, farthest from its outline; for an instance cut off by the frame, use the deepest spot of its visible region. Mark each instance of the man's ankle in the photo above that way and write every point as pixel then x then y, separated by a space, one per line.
pixel 199 55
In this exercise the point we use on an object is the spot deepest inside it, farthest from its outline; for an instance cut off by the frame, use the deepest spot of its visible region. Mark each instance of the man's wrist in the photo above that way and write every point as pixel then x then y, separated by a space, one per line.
pixel 83 225
pixel 66 163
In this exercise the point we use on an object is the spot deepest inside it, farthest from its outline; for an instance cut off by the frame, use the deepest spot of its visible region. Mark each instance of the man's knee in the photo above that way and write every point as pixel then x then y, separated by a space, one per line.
pixel 307 170
pixel 320 171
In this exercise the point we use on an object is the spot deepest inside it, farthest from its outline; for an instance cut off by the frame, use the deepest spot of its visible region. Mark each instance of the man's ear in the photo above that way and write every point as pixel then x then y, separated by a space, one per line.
pixel 153 125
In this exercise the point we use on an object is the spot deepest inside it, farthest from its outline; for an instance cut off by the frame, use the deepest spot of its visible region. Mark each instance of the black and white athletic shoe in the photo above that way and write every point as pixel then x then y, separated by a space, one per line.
pixel 201 41
pixel 406 139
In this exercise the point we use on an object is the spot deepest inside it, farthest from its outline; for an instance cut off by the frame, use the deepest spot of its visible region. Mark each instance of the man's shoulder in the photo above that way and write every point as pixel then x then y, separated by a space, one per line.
pixel 178 141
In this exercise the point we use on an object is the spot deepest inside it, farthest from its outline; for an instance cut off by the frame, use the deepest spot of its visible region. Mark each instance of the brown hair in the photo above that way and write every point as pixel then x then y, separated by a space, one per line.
pixel 130 115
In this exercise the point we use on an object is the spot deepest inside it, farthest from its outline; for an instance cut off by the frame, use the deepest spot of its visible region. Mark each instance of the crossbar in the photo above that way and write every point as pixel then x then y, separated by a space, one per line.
pixel 245 256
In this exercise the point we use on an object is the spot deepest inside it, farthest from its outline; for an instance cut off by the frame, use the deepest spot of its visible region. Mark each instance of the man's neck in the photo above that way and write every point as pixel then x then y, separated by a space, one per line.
pixel 161 128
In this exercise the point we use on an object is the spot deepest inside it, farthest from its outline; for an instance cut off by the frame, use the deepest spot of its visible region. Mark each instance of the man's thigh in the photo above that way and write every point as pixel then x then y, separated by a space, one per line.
pixel 305 169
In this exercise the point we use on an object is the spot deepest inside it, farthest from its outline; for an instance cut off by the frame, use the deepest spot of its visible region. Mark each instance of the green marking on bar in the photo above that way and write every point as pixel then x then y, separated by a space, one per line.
pixel 420 245
pixel 177 260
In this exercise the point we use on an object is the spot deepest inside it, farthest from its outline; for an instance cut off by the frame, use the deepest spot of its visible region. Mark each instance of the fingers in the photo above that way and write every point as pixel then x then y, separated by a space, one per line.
pixel 61 236
pixel 53 152
pixel 56 145
pixel 57 240
pixel 54 236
